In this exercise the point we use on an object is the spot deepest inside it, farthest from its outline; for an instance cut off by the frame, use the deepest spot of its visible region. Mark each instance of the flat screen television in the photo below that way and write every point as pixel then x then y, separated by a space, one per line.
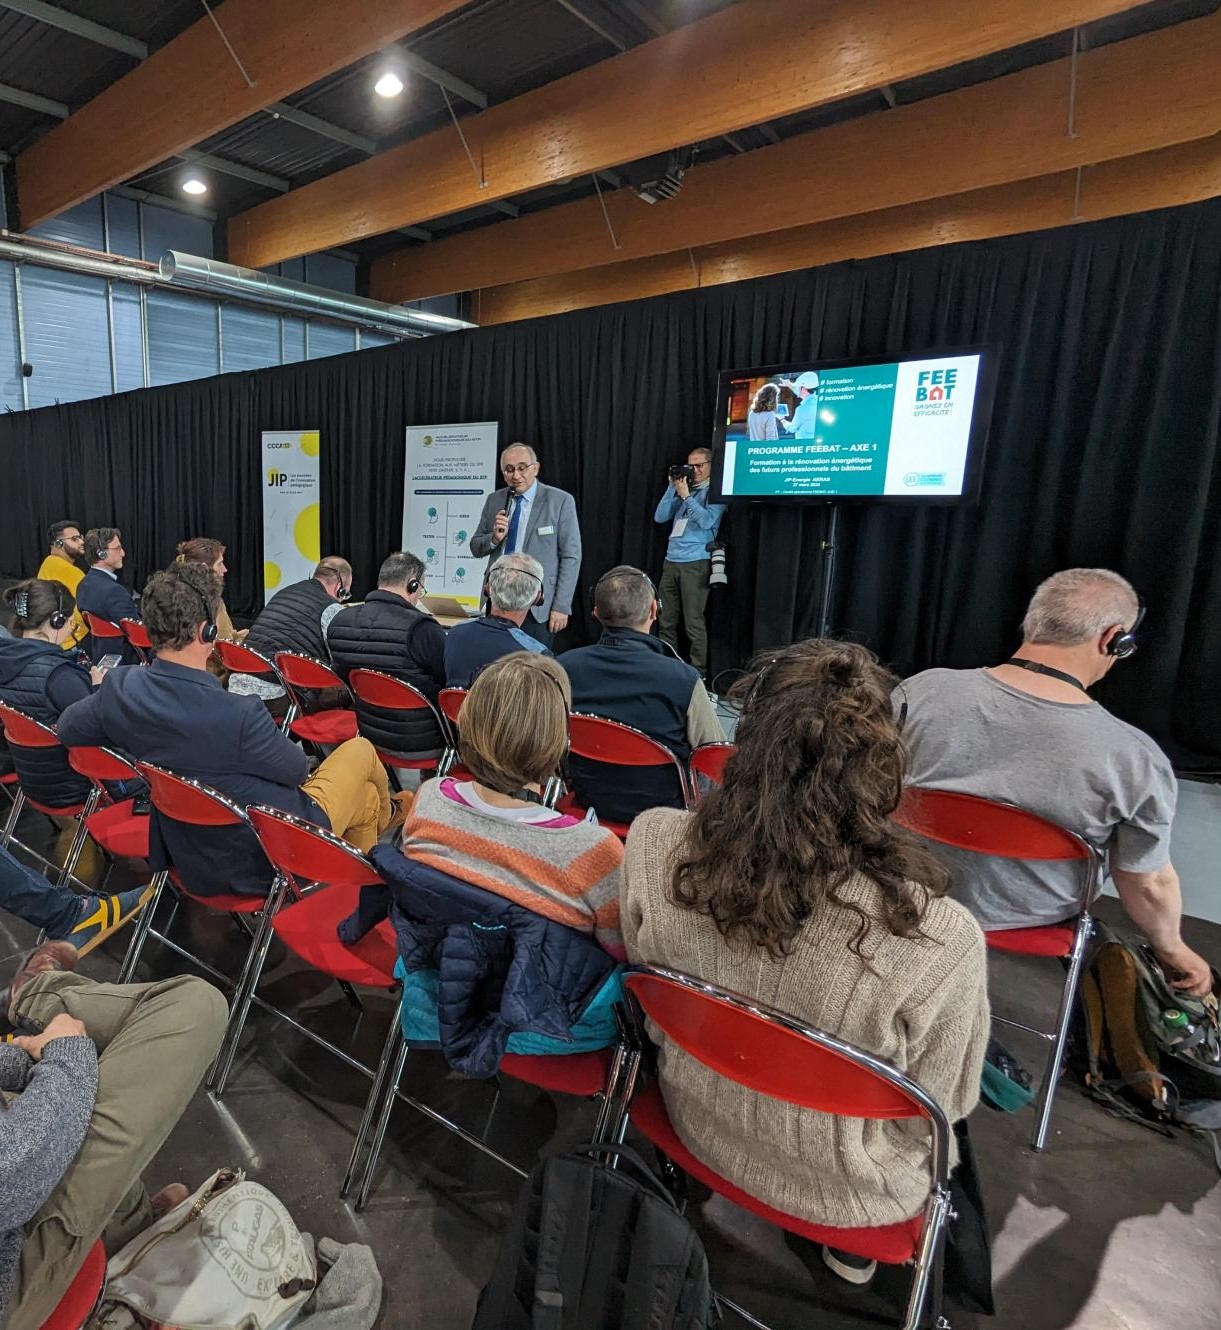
pixel 906 430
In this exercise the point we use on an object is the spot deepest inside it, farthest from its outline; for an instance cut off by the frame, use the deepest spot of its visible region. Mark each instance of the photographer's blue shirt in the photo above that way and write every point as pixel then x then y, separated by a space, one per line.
pixel 694 523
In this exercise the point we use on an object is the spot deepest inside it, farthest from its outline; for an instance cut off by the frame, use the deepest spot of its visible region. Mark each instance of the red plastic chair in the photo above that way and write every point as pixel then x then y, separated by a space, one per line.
pixel 450 704
pixel 238 658
pixel 99 627
pixel 372 688
pixel 985 826
pixel 197 805
pixel 708 761
pixel 323 729
pixel 771 1053
pixel 618 745
pixel 137 635
pixel 25 735
pixel 114 827
pixel 83 1294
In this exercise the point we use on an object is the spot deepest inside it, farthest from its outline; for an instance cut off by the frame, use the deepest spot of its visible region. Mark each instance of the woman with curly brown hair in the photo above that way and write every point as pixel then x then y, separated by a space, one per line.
pixel 790 884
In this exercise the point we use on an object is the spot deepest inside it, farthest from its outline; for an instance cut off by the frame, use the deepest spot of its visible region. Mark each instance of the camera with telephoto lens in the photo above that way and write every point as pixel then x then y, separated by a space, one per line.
pixel 684 471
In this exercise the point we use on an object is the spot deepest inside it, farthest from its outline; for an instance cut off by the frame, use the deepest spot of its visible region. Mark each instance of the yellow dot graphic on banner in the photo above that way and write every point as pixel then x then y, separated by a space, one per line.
pixel 271 574
pixel 306 533
pixel 310 443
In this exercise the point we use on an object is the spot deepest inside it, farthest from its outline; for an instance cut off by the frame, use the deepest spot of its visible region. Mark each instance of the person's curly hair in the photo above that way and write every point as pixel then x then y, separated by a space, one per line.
pixel 806 802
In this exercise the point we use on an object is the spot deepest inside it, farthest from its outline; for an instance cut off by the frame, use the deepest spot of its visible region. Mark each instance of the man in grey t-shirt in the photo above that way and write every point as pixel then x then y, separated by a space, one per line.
pixel 1027 733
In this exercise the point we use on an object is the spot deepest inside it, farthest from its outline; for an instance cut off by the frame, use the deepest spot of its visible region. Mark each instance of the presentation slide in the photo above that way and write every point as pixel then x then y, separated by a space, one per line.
pixel 901 429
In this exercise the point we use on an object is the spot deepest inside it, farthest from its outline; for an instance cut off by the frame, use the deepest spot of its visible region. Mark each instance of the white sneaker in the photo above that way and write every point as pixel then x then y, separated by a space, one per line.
pixel 852 1269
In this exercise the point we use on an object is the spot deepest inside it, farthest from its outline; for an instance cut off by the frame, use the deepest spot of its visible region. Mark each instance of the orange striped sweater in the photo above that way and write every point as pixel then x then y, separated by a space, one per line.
pixel 567 871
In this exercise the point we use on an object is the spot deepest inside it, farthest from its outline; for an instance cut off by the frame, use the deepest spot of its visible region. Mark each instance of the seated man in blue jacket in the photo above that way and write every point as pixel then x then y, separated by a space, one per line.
pixel 514 587
pixel 632 677
pixel 176 715
pixel 101 593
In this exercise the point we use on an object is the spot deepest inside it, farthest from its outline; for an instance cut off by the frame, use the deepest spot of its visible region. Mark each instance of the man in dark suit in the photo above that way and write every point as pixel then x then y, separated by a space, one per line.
pixel 527 517
pixel 176 715
pixel 101 593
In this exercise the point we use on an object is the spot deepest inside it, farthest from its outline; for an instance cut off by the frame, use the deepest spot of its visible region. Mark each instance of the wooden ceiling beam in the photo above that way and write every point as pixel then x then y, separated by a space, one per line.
pixel 1186 173
pixel 1134 96
pixel 751 62
pixel 192 88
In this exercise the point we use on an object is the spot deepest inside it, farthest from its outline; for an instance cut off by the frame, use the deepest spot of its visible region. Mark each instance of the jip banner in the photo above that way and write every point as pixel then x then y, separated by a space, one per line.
pixel 291 526
pixel 450 470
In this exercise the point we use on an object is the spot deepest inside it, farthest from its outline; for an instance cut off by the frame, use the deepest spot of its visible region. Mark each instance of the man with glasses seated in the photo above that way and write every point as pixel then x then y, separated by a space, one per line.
pixel 101 593
pixel 528 517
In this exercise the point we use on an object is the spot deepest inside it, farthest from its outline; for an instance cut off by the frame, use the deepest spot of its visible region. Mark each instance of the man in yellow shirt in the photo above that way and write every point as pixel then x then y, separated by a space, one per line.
pixel 63 565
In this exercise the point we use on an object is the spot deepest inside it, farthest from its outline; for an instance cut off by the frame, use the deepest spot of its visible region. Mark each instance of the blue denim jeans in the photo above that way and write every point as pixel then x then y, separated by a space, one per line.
pixel 31 897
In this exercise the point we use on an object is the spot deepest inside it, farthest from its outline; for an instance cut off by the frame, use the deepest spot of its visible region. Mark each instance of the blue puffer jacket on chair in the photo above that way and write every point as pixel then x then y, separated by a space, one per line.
pixel 501 970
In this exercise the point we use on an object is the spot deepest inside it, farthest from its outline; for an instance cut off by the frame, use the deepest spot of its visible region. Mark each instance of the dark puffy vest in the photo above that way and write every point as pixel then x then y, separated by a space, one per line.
pixel 378 636
pixel 292 621
pixel 44 773
pixel 634 679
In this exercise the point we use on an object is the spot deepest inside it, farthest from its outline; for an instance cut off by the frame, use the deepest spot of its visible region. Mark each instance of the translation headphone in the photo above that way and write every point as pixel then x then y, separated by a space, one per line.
pixel 525 572
pixel 1123 644
pixel 208 632
pixel 98 553
pixel 57 619
pixel 636 572
pixel 412 587
pixel 343 592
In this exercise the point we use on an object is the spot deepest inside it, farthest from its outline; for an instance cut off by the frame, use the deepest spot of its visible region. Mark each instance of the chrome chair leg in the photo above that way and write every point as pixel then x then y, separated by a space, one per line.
pixel 1055 1059
pixel 141 931
pixel 14 813
pixel 383 1121
pixel 936 1216
pixel 78 840
pixel 393 1038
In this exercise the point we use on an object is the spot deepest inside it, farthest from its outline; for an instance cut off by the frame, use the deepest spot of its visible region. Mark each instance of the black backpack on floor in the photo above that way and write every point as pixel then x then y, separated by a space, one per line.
pixel 595 1248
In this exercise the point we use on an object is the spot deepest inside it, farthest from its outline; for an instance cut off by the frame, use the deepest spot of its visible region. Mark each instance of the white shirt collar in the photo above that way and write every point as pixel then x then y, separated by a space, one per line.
pixel 108 571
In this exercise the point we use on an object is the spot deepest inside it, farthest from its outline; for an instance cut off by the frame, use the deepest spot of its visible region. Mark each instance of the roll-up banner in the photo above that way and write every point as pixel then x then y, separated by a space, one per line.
pixel 450 471
pixel 291 520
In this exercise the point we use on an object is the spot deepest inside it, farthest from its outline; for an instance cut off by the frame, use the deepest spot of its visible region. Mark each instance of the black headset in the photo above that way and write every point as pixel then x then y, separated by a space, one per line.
pixel 638 572
pixel 209 630
pixel 100 553
pixel 412 587
pixel 487 586
pixel 1123 644
pixel 58 618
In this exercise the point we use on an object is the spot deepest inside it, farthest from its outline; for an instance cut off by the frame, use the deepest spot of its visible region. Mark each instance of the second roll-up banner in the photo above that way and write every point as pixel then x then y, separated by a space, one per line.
pixel 291 516
pixel 450 470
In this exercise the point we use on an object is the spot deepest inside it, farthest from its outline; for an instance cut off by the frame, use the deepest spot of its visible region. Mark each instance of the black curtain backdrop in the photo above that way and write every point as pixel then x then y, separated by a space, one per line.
pixel 1103 449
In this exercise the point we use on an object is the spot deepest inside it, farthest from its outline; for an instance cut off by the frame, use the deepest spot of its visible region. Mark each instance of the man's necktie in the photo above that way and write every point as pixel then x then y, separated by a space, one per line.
pixel 514 523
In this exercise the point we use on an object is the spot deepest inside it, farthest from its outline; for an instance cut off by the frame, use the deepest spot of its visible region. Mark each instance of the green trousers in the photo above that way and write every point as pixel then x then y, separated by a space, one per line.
pixel 684 588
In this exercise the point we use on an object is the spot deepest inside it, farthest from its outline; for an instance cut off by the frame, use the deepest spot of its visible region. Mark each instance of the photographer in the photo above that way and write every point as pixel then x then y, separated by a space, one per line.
pixel 684 576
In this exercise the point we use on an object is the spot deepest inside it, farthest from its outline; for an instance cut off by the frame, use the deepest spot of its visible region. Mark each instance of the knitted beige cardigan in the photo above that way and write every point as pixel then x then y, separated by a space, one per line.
pixel 921 1003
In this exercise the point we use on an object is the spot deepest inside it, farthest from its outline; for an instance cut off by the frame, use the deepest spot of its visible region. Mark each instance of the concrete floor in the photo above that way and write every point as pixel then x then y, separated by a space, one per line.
pixel 1113 1228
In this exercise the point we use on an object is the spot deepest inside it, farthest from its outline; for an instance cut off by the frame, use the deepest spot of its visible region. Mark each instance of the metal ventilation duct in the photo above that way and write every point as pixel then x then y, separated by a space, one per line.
pixel 227 279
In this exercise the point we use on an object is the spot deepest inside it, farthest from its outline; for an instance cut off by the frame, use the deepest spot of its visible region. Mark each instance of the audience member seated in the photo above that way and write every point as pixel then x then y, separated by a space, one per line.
pixel 514 586
pixel 1027 732
pixel 211 553
pixel 390 633
pixel 94 1082
pixel 791 885
pixel 37 677
pixel 65 564
pixel 493 831
pixel 61 913
pixel 176 715
pixel 100 592
pixel 632 677
pixel 295 619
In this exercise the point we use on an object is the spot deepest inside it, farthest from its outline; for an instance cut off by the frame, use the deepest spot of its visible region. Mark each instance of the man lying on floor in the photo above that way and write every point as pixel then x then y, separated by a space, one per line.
pixel 90 1087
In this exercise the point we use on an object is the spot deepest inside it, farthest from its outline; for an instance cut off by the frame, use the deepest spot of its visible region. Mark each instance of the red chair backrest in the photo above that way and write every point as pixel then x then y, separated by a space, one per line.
pixel 306 672
pixel 100 627
pixel 709 760
pixel 376 689
pixel 102 764
pixel 968 822
pixel 450 701
pixel 608 741
pixel 189 801
pixel 239 659
pixel 24 731
pixel 749 1044
pixel 310 853
pixel 136 634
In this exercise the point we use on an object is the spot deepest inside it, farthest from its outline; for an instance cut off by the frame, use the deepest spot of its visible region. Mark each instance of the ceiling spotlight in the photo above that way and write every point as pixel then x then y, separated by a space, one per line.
pixel 194 185
pixel 388 85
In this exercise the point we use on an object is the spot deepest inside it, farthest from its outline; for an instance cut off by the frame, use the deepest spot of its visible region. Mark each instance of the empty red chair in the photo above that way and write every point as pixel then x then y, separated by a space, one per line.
pixel 137 635
pixel 197 805
pixel 708 761
pixel 450 703
pixel 984 826
pixel 76 1306
pixel 618 745
pixel 772 1053
pixel 120 832
pixel 378 697
pixel 324 729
